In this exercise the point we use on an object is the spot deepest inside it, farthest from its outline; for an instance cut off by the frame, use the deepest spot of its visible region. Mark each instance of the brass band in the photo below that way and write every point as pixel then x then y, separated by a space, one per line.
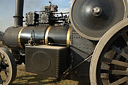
pixel 19 37
pixel 46 35
pixel 68 37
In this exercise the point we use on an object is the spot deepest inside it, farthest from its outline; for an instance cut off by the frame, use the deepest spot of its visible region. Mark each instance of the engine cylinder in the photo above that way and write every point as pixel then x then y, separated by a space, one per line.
pixel 58 35
pixel 36 35
pixel 18 37
pixel 32 35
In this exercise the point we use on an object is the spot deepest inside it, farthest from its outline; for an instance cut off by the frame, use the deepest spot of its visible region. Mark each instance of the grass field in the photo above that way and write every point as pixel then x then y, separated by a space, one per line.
pixel 25 78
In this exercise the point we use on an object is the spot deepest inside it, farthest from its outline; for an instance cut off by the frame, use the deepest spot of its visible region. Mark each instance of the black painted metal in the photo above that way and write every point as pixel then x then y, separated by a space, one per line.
pixel 80 48
pixel 10 37
pixel 35 35
pixel 18 18
pixel 47 60
pixel 58 35
pixel 32 35
pixel 87 23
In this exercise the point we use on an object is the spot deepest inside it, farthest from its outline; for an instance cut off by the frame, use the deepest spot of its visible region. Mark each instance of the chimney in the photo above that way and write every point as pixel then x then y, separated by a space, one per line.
pixel 18 18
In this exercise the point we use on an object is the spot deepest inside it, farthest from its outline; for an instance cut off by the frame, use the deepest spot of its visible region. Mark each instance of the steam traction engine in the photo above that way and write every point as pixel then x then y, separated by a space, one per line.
pixel 93 47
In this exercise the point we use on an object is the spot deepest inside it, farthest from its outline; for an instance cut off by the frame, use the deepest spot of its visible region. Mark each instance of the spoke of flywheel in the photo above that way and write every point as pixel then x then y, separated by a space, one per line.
pixel 116 62
pixel 125 36
pixel 120 52
pixel 115 72
pixel 6 73
pixel 120 81
pixel 2 59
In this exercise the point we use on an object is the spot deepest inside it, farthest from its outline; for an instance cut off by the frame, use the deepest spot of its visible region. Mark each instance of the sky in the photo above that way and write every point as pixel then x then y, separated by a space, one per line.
pixel 7 9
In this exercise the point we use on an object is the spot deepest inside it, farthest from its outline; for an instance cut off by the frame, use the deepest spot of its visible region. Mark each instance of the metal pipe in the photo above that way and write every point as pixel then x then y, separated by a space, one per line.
pixel 18 18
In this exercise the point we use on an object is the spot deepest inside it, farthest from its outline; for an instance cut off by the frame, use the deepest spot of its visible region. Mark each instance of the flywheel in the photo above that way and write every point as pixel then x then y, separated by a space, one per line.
pixel 8 68
pixel 93 18
pixel 109 63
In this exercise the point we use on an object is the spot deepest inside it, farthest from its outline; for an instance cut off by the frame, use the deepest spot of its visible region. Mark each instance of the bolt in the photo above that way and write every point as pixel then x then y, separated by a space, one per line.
pixel 96 11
